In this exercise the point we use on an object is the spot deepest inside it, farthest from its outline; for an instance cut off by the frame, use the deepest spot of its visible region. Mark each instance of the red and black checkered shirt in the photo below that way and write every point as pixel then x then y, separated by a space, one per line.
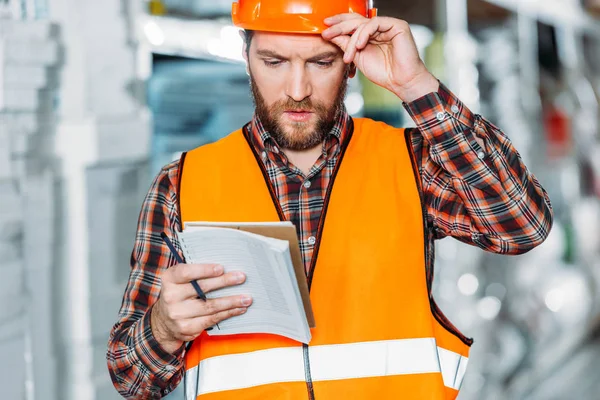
pixel 482 196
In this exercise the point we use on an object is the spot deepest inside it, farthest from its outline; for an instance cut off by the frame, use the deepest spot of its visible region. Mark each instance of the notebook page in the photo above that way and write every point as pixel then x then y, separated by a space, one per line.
pixel 285 258
pixel 283 230
pixel 274 308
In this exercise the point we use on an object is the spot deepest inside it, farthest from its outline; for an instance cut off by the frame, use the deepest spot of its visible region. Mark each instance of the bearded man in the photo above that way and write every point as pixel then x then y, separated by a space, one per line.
pixel 367 199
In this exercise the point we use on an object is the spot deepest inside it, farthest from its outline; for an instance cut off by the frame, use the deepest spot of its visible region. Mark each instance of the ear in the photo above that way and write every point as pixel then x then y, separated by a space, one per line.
pixel 352 70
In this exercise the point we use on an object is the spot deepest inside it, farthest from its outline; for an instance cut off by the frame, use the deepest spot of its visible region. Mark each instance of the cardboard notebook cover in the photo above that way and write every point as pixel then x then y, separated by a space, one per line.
pixel 282 232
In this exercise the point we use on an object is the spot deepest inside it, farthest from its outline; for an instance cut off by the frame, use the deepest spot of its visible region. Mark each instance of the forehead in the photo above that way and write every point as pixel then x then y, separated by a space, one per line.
pixel 292 45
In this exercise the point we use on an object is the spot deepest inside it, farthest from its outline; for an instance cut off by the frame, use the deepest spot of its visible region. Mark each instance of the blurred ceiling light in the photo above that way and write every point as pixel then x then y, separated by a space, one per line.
pixel 548 252
pixel 354 103
pixel 569 296
pixel 570 182
pixel 155 35
pixel 586 215
pixel 448 249
pixel 489 307
pixel 214 47
pixel 470 96
pixel 468 284
pixel 228 45
pixel 555 299
pixel 423 36
pixel 211 38
pixel 231 34
pixel 496 290
pixel 232 42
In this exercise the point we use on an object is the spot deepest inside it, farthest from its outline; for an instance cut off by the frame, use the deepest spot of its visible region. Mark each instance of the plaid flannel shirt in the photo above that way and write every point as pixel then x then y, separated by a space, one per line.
pixel 482 196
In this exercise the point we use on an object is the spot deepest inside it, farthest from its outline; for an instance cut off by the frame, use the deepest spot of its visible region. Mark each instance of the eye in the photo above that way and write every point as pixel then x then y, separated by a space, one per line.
pixel 324 64
pixel 272 63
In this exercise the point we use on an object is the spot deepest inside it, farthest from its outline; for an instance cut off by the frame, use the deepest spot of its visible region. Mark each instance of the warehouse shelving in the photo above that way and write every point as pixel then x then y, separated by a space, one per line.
pixel 553 12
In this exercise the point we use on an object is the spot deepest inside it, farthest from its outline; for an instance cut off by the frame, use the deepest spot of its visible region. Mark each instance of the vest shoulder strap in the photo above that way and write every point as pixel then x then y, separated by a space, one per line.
pixel 232 159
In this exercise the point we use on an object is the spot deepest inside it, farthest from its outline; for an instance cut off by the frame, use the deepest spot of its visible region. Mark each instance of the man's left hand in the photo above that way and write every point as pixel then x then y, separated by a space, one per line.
pixel 384 50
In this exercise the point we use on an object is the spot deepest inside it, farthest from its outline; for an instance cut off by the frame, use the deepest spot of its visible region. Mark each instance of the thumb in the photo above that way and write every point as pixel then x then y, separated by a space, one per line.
pixel 341 41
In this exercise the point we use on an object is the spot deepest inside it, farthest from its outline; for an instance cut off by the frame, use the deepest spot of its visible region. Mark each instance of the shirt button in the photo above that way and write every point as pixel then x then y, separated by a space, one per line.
pixel 454 109
pixel 312 240
pixel 481 155
pixel 307 184
pixel 170 368
pixel 264 155
pixel 276 150
pixel 441 116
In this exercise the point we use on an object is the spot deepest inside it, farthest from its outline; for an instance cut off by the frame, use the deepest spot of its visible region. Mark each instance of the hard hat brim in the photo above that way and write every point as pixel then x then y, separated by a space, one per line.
pixel 301 24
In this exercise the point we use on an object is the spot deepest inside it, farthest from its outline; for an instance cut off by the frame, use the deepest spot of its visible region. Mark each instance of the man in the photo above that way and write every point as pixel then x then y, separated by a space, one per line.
pixel 367 200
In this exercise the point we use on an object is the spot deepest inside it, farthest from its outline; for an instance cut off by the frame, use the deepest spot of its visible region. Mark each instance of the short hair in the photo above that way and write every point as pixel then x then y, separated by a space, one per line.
pixel 249 34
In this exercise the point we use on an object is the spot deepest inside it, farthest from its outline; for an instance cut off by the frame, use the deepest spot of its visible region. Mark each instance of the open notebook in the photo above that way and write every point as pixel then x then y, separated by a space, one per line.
pixel 269 255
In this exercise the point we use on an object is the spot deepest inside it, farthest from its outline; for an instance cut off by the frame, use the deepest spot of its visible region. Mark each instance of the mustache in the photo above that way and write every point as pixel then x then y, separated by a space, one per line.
pixel 304 105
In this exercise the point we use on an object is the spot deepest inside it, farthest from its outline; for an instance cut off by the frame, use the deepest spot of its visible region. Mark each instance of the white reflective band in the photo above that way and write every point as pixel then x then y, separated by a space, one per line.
pixel 330 362
pixel 453 367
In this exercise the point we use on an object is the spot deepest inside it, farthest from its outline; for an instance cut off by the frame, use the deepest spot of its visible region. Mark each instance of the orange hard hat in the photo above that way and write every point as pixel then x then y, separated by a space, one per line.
pixel 294 16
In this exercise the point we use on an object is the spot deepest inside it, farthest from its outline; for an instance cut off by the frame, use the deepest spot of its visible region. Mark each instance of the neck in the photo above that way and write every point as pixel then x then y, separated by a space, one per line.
pixel 304 159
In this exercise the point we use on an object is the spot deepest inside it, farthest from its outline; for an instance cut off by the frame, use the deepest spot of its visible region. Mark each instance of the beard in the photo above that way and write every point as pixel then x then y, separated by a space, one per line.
pixel 300 135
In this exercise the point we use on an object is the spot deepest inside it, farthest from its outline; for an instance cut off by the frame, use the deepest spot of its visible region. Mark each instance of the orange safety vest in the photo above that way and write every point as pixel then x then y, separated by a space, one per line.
pixel 379 334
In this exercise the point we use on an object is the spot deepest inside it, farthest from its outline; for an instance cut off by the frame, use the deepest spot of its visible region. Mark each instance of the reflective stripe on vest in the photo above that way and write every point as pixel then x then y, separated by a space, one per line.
pixel 368 281
pixel 328 362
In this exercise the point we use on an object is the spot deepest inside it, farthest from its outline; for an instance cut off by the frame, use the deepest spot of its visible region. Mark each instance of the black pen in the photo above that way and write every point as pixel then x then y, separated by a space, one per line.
pixel 199 291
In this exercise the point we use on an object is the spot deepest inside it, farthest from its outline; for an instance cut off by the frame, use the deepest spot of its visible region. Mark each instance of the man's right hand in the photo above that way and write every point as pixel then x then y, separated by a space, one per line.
pixel 180 316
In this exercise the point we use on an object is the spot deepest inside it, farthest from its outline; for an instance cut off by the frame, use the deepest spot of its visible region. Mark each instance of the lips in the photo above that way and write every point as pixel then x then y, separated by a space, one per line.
pixel 298 116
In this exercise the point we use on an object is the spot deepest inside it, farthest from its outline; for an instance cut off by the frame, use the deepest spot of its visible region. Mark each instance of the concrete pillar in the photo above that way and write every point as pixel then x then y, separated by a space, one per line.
pixel 102 141
pixel 28 58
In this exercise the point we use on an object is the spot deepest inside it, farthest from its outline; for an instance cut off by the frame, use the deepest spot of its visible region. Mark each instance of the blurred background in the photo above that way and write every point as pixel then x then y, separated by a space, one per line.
pixel 95 96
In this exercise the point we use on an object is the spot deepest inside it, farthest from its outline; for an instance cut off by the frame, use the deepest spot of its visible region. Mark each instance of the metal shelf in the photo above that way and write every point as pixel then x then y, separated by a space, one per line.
pixel 553 12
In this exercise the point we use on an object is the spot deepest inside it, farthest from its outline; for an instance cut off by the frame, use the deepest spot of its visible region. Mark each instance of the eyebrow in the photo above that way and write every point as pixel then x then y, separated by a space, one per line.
pixel 323 56
pixel 270 53
pixel 320 56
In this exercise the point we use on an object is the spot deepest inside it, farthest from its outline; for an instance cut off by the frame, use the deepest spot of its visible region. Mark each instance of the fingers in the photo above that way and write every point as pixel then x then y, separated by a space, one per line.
pixel 345 24
pixel 185 273
pixel 369 30
pixel 182 313
pixel 350 51
pixel 225 280
pixel 185 291
pixel 198 308
pixel 341 42
pixel 343 34
pixel 189 329
pixel 361 29
pixel 223 315
pixel 336 19
pixel 385 29
pixel 346 27
pixel 354 34
pixel 361 37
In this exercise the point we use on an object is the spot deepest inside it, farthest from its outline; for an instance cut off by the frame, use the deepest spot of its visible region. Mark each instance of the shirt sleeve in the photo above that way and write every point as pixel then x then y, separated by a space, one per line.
pixel 139 367
pixel 481 195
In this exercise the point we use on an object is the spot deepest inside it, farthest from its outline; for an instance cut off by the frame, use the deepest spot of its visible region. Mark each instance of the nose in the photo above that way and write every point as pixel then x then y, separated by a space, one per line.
pixel 298 83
